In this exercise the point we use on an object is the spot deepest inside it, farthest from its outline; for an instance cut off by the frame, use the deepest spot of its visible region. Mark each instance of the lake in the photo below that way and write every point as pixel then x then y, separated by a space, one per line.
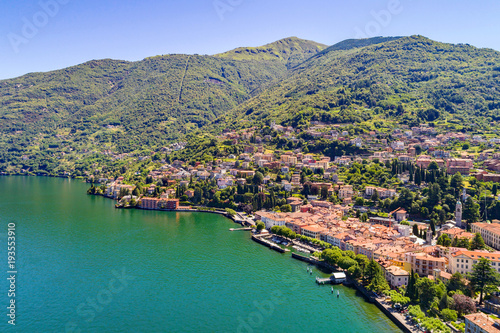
pixel 84 266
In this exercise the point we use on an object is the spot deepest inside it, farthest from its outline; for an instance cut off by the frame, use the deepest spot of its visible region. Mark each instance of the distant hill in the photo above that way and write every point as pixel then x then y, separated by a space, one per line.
pixel 291 51
pixel 49 119
pixel 404 80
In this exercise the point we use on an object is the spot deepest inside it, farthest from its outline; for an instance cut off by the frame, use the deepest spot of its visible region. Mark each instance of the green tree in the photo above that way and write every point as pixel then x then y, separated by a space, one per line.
pixel 346 262
pixel 363 262
pixel 461 242
pixel 433 166
pixel 449 315
pixel 444 240
pixel 378 283
pixel 355 271
pixel 494 189
pixel 477 243
pixel 324 191
pixel 418 177
pixel 434 196
pixel 258 178
pixel 415 230
pixel 471 211
pixel 260 226
pixel 427 291
pixel 371 270
pixel 456 283
pixel 411 289
pixel 483 277
pixel 364 217
pixel 446 302
pixel 457 182
pixel 397 298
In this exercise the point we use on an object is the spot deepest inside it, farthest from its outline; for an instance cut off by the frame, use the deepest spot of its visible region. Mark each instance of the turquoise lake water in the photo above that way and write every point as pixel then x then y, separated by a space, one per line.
pixel 84 266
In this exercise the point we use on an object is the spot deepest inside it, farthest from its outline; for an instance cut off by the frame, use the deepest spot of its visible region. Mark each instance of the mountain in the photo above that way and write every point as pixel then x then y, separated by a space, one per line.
pixel 65 119
pixel 124 106
pixel 380 83
pixel 290 51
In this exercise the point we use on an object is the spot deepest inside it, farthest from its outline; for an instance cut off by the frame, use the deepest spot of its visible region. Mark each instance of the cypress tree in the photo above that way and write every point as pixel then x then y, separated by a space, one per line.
pixel 410 287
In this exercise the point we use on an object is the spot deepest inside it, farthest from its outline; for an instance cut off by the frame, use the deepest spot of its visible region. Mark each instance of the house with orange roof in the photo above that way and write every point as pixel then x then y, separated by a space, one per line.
pixel 396 276
pixel 462 261
pixel 481 323
pixel 312 231
pixel 424 264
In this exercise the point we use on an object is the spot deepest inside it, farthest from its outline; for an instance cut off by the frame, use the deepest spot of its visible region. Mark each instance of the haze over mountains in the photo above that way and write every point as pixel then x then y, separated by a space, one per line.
pixel 127 106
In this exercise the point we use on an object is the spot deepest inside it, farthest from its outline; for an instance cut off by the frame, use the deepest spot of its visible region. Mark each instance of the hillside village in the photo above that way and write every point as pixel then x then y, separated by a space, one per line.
pixel 390 218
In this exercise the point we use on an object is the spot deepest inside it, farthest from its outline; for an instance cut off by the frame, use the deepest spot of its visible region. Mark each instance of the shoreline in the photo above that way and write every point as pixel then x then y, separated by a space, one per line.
pixel 400 323
pixel 386 311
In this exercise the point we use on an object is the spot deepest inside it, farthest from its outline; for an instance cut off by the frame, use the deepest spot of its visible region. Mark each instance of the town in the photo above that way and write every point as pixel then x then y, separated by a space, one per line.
pixel 420 204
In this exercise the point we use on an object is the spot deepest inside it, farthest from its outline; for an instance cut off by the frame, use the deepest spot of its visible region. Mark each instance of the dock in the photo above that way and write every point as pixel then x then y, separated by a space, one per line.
pixel 271 245
pixel 323 281
pixel 240 229
pixel 335 278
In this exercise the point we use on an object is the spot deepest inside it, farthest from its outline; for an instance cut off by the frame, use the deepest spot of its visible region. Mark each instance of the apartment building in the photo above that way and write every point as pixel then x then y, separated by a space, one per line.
pixel 462 261
pixel 489 232
pixel 424 264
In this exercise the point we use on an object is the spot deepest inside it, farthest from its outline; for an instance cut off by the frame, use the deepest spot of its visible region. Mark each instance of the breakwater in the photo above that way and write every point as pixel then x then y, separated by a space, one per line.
pixel 272 246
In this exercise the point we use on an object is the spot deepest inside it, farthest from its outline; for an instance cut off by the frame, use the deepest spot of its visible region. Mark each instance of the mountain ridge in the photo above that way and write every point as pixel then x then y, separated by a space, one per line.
pixel 122 106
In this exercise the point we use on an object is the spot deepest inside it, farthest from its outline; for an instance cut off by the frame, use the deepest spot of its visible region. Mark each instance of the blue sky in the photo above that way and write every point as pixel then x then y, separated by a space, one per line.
pixel 43 35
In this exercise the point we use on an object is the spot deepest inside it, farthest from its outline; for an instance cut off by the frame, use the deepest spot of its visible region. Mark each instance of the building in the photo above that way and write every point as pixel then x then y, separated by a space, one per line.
pixel 288 160
pixel 399 214
pixel 462 261
pixel 396 276
pixel 445 277
pixel 271 219
pixel 169 204
pixel 346 191
pixel 425 161
pixel 489 232
pixel 312 231
pixel 424 264
pixel 388 222
pixel 339 277
pixel 461 165
pixel 149 203
pixel 493 303
pixel 481 323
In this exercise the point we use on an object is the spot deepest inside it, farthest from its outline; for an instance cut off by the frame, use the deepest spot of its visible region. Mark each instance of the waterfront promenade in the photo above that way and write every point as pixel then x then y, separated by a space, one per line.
pixel 398 318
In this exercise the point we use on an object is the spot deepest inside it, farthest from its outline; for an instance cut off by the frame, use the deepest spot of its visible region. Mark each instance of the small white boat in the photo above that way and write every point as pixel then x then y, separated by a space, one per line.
pixel 332 290
pixel 338 294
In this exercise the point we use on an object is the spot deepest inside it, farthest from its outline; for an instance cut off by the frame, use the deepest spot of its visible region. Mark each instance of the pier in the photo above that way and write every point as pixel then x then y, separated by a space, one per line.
pixel 271 245
pixel 240 229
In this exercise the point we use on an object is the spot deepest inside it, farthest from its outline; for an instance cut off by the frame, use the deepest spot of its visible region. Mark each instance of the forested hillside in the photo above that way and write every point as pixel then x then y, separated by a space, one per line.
pixel 401 81
pixel 61 118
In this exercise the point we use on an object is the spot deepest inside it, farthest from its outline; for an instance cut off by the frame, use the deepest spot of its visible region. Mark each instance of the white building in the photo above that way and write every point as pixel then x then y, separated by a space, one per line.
pixel 396 276
pixel 462 261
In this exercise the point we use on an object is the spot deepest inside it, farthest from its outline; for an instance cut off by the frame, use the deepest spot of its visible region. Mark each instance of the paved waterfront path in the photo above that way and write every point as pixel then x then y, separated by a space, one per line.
pixel 399 316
